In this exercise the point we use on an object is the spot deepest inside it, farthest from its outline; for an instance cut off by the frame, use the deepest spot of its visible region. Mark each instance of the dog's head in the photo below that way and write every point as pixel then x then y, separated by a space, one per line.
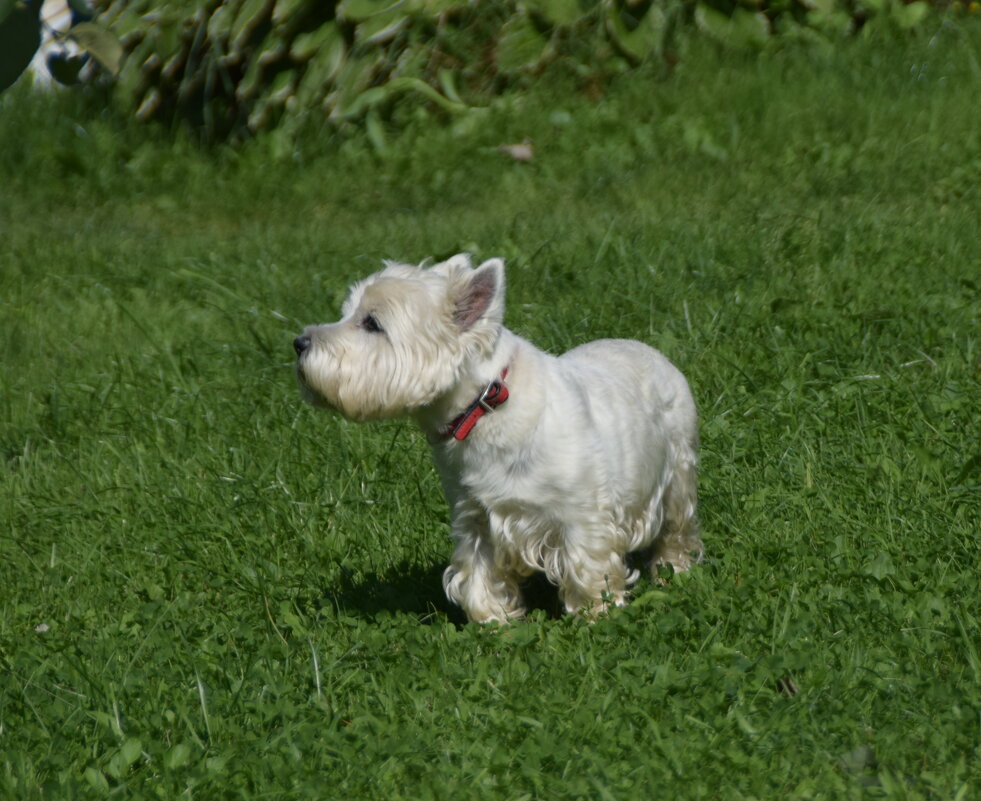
pixel 405 335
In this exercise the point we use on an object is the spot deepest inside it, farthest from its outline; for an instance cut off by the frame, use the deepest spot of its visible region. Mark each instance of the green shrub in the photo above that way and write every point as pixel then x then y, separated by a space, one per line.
pixel 232 67
pixel 236 67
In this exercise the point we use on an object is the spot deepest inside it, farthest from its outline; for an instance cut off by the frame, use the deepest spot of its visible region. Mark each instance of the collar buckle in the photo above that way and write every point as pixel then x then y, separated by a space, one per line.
pixel 491 391
pixel 494 394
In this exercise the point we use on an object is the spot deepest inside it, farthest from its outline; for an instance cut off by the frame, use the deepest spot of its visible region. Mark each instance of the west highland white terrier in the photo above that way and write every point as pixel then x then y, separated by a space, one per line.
pixel 563 465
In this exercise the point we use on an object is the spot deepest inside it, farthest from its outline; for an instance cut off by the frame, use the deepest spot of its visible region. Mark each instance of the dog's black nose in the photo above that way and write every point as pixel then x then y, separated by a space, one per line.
pixel 301 344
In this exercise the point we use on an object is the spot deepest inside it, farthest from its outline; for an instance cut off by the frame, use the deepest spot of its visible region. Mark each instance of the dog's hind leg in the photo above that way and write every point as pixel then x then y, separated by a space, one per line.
pixel 679 542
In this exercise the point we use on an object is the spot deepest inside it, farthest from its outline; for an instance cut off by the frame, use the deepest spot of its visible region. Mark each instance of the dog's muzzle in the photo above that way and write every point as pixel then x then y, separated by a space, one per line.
pixel 301 344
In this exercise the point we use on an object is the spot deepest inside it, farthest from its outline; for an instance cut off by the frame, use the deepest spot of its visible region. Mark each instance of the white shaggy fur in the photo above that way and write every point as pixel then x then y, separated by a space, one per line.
pixel 591 457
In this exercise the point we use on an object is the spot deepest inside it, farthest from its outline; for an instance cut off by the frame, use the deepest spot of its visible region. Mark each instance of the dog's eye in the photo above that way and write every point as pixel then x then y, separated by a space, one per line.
pixel 370 324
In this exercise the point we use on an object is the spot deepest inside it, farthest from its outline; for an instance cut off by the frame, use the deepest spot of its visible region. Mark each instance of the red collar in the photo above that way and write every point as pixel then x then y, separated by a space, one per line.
pixel 494 394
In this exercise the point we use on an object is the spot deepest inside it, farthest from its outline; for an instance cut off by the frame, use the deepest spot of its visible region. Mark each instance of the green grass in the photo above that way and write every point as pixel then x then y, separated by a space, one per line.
pixel 212 591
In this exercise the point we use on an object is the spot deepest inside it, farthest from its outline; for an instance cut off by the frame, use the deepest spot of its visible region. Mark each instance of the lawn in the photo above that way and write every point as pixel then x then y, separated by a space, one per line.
pixel 210 590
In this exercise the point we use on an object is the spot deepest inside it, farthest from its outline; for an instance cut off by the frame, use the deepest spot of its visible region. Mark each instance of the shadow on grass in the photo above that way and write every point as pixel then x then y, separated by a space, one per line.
pixel 418 591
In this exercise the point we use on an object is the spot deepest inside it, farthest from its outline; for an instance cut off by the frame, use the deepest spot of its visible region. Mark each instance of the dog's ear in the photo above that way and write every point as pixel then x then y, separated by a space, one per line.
pixel 479 295
pixel 461 261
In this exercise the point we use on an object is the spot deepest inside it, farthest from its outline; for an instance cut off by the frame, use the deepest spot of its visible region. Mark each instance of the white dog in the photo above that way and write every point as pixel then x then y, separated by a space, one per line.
pixel 556 464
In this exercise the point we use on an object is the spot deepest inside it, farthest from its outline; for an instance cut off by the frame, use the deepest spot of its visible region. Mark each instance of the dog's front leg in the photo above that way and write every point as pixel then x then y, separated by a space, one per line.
pixel 592 575
pixel 474 580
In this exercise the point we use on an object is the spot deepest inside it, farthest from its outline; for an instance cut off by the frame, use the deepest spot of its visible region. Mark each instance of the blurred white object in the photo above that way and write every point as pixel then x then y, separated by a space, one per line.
pixel 56 16
pixel 523 151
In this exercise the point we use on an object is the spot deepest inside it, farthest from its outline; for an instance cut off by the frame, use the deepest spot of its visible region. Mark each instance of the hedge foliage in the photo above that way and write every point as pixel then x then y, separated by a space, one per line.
pixel 232 67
